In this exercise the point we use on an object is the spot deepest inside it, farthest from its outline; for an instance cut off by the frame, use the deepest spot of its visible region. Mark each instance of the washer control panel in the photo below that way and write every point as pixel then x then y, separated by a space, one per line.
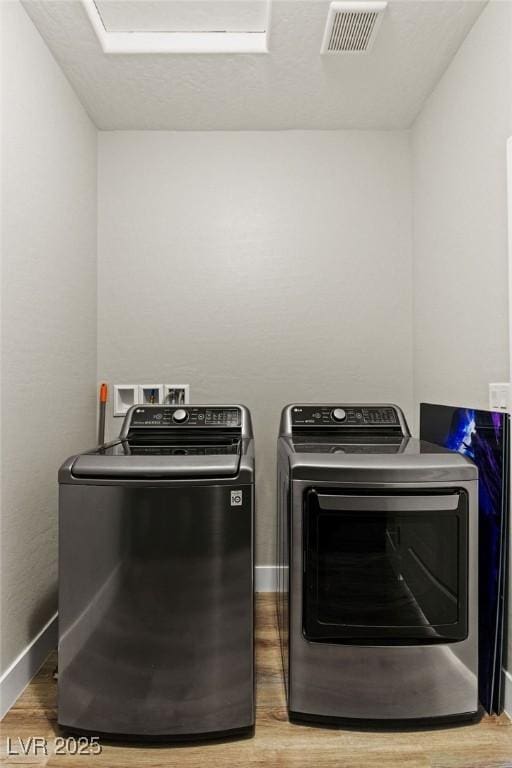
pixel 344 416
pixel 191 416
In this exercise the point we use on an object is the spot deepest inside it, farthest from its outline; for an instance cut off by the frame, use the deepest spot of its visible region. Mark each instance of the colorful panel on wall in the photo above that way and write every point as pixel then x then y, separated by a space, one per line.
pixel 483 436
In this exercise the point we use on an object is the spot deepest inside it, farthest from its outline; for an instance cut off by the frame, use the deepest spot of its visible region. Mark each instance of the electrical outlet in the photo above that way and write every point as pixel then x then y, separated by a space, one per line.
pixel 499 396
pixel 176 394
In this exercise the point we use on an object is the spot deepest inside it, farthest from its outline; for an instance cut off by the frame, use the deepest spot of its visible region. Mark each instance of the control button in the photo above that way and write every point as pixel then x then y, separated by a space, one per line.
pixel 180 416
pixel 339 414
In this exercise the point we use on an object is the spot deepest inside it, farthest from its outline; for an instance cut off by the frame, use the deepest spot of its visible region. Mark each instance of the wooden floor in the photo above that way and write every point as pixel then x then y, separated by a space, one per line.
pixel 487 744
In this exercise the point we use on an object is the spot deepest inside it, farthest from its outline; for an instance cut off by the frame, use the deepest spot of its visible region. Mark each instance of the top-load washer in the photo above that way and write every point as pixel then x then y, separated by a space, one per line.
pixel 156 577
pixel 378 543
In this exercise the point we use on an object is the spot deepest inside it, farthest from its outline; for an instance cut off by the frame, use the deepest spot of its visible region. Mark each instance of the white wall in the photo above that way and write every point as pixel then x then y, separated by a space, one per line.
pixel 460 220
pixel 460 224
pixel 49 315
pixel 261 268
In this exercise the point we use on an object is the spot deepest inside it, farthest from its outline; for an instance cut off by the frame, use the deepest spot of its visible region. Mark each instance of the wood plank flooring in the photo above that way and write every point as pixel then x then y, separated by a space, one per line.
pixel 487 744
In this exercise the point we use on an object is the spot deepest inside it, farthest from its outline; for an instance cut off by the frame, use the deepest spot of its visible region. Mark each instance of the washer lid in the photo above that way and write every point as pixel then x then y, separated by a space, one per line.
pixel 143 466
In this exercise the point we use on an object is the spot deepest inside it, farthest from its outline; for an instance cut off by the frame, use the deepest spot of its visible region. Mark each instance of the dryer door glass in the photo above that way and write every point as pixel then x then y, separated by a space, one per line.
pixel 385 569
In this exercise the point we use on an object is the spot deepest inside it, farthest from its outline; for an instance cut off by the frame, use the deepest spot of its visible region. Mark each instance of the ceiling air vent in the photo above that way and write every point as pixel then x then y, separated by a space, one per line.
pixel 352 26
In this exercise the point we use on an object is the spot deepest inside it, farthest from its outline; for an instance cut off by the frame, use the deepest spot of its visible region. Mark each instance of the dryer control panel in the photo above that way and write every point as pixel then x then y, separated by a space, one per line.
pixel 189 416
pixel 344 416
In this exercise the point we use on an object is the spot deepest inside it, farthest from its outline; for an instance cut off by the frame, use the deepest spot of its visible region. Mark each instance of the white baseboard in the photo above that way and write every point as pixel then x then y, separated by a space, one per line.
pixel 265 577
pixel 508 693
pixel 19 674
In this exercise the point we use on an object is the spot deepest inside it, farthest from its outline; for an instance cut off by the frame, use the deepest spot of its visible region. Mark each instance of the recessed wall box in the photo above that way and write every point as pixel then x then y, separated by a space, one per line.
pixel 176 394
pixel 151 394
pixel 125 395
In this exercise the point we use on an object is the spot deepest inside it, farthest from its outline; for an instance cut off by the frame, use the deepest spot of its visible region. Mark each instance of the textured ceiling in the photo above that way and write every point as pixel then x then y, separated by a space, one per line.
pixel 290 87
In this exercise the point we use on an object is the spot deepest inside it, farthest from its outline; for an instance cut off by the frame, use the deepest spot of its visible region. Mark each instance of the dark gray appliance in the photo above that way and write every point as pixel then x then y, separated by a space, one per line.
pixel 377 543
pixel 156 577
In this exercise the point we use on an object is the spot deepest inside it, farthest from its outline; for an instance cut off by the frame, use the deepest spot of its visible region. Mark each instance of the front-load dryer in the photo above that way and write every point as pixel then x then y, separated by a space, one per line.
pixel 156 577
pixel 377 543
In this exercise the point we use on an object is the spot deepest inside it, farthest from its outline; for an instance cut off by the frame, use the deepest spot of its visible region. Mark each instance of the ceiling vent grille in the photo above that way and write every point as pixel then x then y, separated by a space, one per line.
pixel 352 26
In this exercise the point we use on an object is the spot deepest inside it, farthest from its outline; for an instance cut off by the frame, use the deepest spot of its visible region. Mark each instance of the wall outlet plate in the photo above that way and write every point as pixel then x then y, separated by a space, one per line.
pixel 151 394
pixel 125 395
pixel 499 396
pixel 176 394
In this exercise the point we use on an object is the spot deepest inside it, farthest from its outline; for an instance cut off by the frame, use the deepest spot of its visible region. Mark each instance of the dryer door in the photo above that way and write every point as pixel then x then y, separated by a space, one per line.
pixel 385 569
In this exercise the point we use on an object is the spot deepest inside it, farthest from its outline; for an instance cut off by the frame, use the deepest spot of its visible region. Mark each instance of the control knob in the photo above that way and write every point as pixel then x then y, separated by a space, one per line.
pixel 180 416
pixel 339 414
